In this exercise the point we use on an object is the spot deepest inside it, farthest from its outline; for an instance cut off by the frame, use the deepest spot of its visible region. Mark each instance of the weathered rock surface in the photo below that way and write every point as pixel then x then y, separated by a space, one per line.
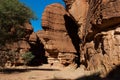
pixel 98 22
pixel 55 36
pixel 33 38
pixel 29 43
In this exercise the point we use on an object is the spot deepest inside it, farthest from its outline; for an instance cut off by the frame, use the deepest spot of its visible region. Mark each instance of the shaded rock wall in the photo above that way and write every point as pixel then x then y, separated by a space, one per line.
pixel 30 42
pixel 98 22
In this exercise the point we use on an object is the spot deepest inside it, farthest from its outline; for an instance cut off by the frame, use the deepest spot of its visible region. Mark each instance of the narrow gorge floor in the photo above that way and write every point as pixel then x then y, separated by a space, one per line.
pixel 41 73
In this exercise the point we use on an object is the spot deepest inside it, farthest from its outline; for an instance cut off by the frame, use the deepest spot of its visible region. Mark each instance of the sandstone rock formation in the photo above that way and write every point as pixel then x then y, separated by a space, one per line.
pixel 29 43
pixel 98 22
pixel 55 34
pixel 86 33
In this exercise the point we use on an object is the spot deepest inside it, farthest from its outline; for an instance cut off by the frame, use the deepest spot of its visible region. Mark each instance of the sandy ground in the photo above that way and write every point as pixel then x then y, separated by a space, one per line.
pixel 44 72
pixel 30 73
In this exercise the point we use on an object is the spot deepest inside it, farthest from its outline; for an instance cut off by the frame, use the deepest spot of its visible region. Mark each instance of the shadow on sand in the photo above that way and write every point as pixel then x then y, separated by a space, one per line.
pixel 20 70
pixel 112 75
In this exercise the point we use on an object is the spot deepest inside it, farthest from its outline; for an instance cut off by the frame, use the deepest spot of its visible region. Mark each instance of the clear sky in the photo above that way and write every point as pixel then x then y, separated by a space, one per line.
pixel 37 6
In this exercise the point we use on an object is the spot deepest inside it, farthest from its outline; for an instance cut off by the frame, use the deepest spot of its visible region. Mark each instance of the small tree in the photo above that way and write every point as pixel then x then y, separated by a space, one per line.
pixel 13 12
pixel 12 15
pixel 27 57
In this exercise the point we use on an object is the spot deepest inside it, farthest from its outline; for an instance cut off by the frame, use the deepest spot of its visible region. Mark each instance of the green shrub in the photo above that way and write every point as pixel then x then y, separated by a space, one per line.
pixel 12 15
pixel 27 57
pixel 13 12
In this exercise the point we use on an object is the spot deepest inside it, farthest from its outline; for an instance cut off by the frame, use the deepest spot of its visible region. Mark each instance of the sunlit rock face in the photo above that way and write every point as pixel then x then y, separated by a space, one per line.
pixel 99 29
pixel 56 35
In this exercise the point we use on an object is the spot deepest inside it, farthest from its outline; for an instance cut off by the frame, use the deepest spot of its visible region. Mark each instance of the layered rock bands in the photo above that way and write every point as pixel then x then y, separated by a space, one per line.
pixel 99 30
pixel 55 35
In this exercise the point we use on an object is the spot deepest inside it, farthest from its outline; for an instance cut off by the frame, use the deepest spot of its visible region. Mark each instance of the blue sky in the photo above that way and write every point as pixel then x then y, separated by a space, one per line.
pixel 37 6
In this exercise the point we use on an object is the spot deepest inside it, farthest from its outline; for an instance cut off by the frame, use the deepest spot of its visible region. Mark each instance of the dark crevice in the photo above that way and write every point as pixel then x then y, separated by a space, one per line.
pixel 72 30
pixel 39 52
pixel 97 41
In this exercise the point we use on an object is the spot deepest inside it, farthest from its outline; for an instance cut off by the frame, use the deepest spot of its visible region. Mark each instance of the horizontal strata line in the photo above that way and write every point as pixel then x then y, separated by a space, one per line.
pixel 52 30
pixel 49 12
pixel 56 6
pixel 52 17
pixel 48 21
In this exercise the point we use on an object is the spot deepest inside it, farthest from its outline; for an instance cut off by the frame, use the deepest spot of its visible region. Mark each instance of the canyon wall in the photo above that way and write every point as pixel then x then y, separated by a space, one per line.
pixel 99 30
pixel 86 33
pixel 13 51
pixel 55 34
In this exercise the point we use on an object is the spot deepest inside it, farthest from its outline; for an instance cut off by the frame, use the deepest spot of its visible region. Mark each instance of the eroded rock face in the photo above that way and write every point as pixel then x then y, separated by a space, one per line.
pixel 55 36
pixel 98 22
pixel 68 3
pixel 29 43
pixel 79 11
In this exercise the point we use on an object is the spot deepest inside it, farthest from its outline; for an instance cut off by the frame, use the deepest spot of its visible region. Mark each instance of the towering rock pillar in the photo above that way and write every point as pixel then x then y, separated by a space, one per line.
pixel 55 36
